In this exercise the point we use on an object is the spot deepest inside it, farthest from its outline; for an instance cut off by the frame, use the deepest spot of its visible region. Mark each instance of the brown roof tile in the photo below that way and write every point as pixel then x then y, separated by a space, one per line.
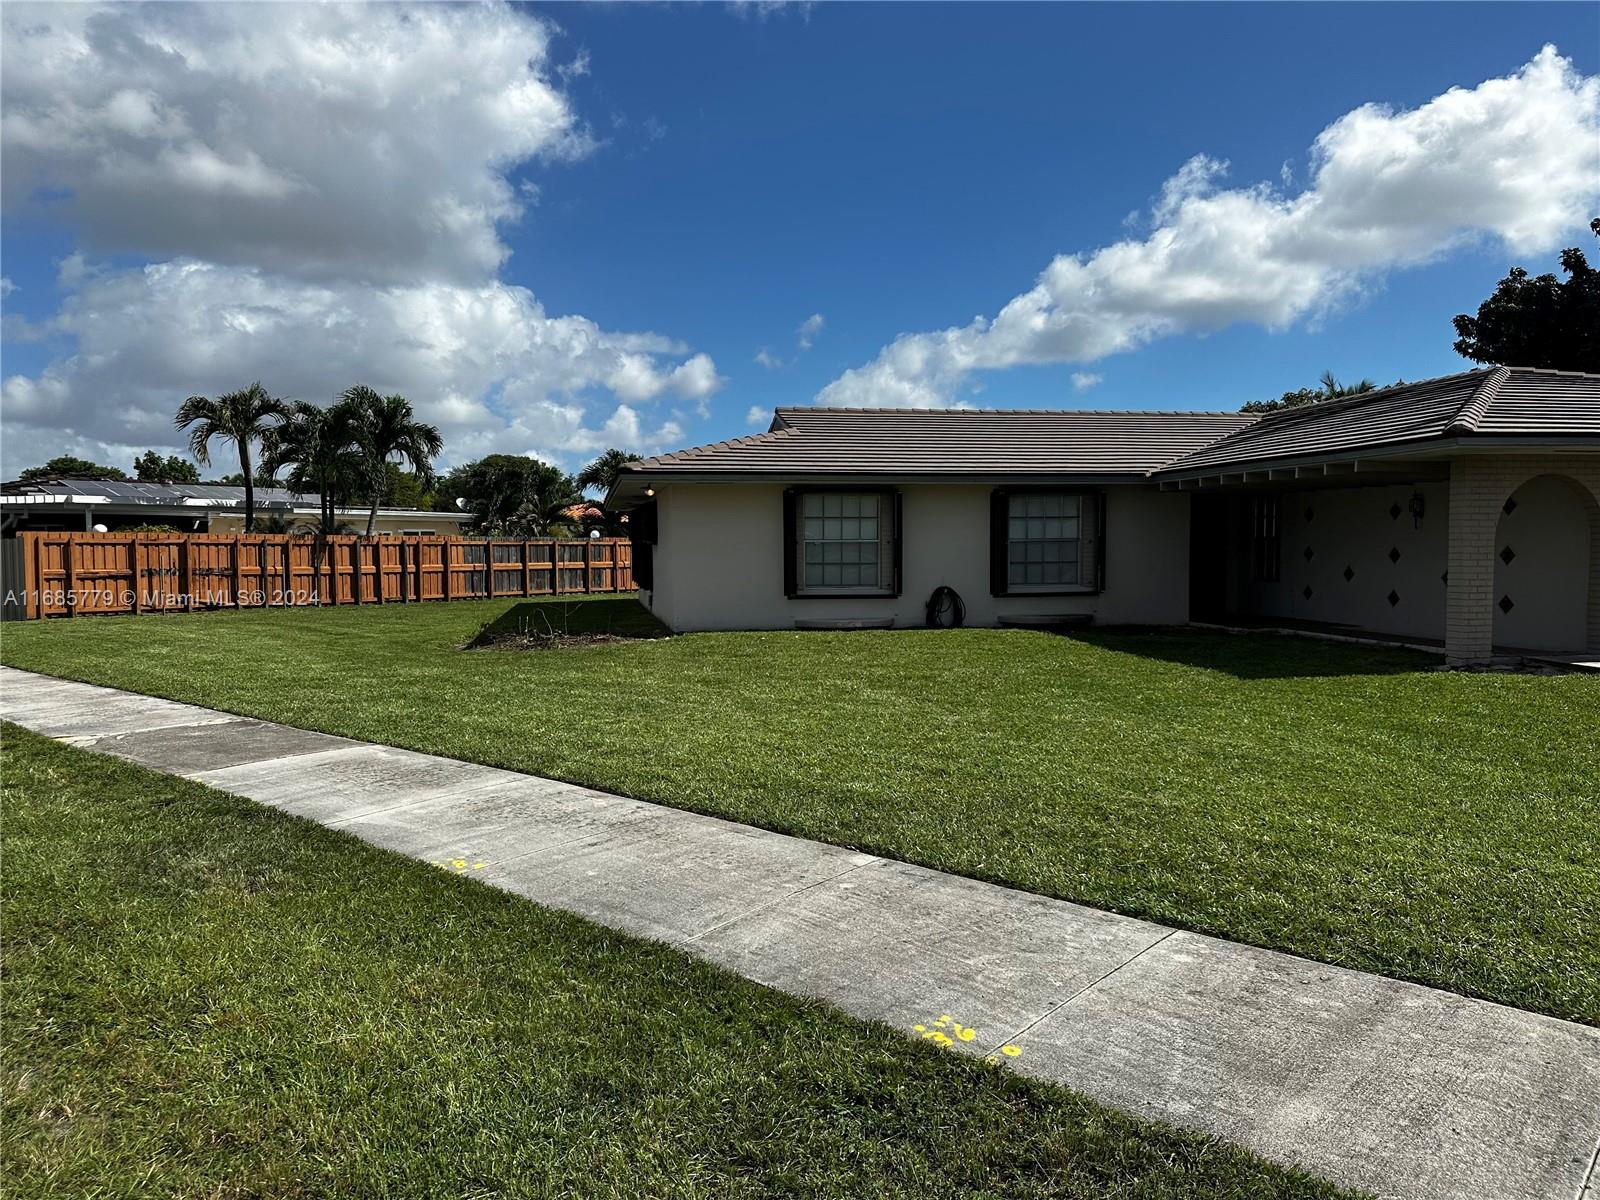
pixel 899 441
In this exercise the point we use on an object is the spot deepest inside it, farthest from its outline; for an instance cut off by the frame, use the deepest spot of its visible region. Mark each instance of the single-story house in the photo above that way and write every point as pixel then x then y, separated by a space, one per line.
pixel 83 504
pixel 1462 512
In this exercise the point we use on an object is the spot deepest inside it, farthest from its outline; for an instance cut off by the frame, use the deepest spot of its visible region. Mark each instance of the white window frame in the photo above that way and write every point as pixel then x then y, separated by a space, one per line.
pixel 1085 540
pixel 815 506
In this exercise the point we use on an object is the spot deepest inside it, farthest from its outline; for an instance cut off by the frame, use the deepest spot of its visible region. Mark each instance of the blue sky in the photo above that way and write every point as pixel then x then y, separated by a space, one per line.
pixel 728 173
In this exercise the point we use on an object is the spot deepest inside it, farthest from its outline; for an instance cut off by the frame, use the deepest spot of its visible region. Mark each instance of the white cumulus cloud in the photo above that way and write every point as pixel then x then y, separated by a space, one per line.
pixel 318 194
pixel 1516 159
pixel 355 142
pixel 1082 381
pixel 485 362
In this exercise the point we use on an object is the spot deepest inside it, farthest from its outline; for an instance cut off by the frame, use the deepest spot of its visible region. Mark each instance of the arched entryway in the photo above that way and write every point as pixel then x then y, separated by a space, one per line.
pixel 1543 577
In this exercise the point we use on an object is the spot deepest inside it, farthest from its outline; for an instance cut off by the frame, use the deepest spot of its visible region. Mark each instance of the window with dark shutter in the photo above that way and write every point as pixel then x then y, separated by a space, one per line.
pixel 841 543
pixel 1045 541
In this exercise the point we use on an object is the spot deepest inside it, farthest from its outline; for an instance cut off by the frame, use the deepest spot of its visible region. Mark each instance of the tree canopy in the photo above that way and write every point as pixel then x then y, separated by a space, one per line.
pixel 1539 321
pixel 66 466
pixel 150 467
pixel 511 494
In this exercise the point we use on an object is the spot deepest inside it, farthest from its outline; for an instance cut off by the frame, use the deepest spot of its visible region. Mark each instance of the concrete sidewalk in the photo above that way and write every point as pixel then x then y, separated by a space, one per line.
pixel 1398 1089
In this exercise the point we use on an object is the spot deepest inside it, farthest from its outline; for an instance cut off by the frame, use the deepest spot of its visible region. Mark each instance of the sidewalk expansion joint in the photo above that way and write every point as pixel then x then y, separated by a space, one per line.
pixel 1093 983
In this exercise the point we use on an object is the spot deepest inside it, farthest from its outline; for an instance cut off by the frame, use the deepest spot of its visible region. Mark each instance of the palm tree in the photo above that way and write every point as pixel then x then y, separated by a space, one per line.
pixel 1332 389
pixel 239 417
pixel 601 474
pixel 386 427
pixel 318 447
pixel 546 494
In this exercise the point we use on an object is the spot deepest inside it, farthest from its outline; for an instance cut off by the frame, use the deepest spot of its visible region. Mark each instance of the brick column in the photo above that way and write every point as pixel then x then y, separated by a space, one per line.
pixel 1479 488
pixel 1469 596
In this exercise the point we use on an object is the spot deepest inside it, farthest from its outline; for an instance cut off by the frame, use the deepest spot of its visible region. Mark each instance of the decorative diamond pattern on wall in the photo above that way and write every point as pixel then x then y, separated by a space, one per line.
pixel 1306 591
pixel 1310 512
pixel 1507 555
pixel 1509 507
pixel 1309 553
pixel 1394 554
pixel 1394 598
pixel 1349 574
pixel 1445 578
pixel 1505 604
pixel 1395 510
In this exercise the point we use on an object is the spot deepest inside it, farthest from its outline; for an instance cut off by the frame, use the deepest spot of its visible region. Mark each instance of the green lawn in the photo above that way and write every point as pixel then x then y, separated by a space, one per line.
pixel 1351 805
pixel 204 997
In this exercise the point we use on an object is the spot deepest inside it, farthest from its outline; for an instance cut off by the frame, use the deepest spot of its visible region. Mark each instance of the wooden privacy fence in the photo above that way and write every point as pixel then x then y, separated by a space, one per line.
pixel 83 574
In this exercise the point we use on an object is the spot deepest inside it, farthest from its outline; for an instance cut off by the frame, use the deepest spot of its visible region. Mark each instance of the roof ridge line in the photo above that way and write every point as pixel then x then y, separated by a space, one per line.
pixel 1476 406
pixel 1010 412
pixel 1356 399
pixel 1171 463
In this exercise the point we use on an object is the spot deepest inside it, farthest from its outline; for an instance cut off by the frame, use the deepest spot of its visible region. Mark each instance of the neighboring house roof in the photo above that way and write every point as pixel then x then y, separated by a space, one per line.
pixel 1496 405
pixel 952 441
pixel 1505 402
pixel 202 496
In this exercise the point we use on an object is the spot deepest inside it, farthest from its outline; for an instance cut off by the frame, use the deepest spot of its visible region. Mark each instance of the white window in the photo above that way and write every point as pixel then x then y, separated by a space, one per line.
pixel 1049 542
pixel 416 533
pixel 845 542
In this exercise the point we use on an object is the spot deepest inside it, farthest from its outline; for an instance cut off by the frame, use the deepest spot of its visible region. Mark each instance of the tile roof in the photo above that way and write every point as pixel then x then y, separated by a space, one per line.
pixel 901 441
pixel 1499 402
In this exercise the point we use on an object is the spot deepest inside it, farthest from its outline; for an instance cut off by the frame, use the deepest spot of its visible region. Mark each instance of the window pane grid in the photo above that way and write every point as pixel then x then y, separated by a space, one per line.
pixel 841 540
pixel 1044 539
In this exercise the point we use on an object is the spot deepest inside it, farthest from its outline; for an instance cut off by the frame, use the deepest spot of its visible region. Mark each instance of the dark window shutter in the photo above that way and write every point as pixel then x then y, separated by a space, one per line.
pixel 1100 540
pixel 998 576
pixel 791 551
pixel 899 540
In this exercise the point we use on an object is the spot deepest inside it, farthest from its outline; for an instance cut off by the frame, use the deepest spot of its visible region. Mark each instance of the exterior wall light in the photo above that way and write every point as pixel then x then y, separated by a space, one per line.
pixel 1418 506
pixel 650 491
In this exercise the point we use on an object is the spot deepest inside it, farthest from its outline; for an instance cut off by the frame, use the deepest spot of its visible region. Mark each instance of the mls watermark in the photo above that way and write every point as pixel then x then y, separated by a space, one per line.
pixel 126 598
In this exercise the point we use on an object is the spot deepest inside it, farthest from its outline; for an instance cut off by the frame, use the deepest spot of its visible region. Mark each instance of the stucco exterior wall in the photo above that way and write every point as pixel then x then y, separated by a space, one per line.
pixel 719 560
pixel 1370 533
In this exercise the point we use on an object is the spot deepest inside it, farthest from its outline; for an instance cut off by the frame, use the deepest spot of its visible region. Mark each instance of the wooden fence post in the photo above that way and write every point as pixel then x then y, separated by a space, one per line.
pixel 138 573
pixel 237 578
pixel 33 575
pixel 185 594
